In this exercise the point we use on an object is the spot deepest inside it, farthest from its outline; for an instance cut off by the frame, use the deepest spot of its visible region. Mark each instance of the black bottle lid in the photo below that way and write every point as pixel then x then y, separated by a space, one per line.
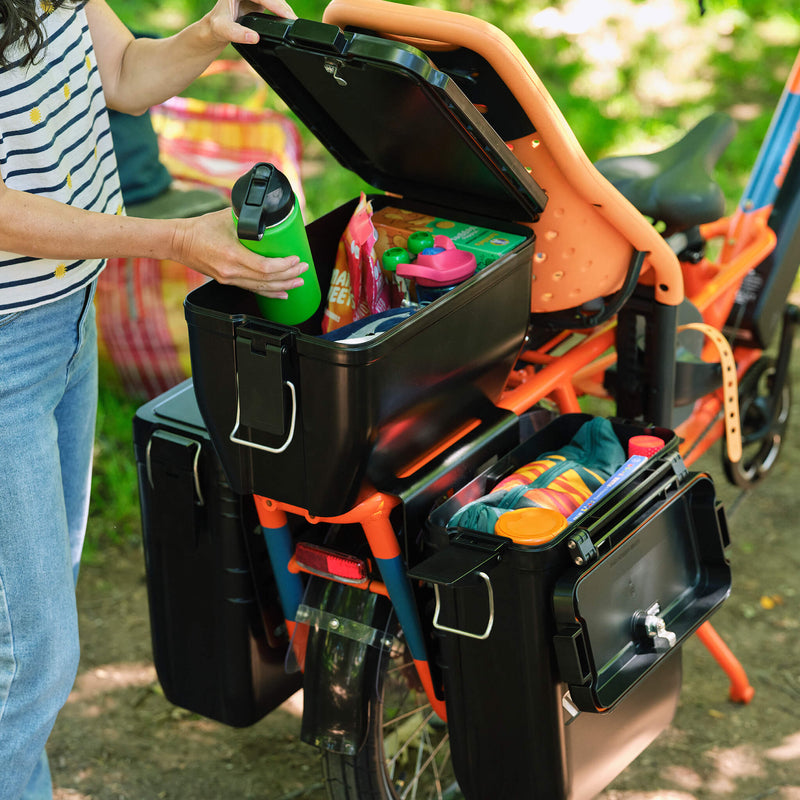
pixel 261 198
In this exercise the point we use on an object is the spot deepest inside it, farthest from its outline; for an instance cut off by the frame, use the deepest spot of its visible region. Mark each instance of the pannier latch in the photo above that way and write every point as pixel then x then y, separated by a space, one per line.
pixel 650 627
pixel 469 555
pixel 261 389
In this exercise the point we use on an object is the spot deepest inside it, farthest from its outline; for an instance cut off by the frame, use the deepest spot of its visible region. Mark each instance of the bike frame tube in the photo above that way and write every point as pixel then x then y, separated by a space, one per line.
pixel 373 516
pixel 769 171
pixel 777 149
pixel 722 286
pixel 555 378
pixel 275 528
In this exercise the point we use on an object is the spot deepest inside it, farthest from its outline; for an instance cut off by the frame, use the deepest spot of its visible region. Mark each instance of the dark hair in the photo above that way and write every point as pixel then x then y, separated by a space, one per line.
pixel 21 22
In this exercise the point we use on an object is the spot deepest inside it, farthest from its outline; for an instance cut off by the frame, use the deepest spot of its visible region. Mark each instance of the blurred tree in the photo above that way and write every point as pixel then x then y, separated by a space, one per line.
pixel 627 75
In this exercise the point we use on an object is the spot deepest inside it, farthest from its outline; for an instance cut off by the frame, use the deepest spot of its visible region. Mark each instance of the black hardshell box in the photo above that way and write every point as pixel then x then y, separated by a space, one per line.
pixel 309 413
pixel 580 691
pixel 217 627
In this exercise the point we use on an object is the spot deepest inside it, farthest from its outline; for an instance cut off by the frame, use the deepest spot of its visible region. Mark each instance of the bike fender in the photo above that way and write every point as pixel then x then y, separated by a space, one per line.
pixel 347 632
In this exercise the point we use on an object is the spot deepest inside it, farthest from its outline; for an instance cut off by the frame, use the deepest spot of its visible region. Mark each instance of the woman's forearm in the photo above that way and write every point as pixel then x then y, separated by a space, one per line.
pixel 37 226
pixel 138 73
pixel 31 225
pixel 153 70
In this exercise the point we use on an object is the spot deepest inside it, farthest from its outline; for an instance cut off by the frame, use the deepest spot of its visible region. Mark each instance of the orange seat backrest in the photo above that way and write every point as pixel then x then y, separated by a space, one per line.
pixel 586 237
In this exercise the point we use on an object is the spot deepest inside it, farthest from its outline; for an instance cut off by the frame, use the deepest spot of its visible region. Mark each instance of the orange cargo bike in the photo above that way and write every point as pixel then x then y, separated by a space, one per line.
pixel 440 658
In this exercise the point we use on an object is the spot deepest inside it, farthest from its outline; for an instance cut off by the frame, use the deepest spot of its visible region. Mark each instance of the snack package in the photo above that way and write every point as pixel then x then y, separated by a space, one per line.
pixel 358 287
pixel 395 225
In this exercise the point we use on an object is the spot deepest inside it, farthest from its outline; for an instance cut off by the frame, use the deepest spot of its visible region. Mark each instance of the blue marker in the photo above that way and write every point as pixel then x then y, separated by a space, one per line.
pixel 628 468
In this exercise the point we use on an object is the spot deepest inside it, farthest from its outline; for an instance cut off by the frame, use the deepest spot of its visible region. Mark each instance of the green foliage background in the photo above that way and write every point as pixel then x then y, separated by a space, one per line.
pixel 746 48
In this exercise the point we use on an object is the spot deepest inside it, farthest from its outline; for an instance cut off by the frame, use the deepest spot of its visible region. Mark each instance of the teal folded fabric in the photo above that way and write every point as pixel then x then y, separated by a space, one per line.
pixel 564 478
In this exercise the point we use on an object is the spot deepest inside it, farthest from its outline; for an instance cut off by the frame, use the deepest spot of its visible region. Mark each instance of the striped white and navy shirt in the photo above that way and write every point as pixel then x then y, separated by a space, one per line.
pixel 55 141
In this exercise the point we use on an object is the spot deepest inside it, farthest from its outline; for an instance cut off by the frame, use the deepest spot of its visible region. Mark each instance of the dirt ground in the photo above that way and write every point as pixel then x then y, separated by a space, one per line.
pixel 119 739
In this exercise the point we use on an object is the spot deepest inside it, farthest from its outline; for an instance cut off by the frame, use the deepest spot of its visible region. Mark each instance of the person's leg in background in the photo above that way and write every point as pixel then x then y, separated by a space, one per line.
pixel 48 398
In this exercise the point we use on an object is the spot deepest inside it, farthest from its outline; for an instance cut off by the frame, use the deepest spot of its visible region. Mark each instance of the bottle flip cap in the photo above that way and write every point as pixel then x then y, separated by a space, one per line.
pixel 531 526
pixel 419 240
pixel 394 256
pixel 644 445
pixel 261 198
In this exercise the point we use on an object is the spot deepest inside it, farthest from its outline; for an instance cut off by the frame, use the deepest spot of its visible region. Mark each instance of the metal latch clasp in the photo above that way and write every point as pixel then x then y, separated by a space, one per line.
pixel 332 67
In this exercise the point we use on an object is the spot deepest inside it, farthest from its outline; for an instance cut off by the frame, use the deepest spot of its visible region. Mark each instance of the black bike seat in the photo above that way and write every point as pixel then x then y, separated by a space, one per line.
pixel 674 186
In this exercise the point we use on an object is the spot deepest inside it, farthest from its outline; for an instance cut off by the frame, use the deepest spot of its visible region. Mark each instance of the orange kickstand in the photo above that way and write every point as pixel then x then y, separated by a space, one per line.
pixel 741 691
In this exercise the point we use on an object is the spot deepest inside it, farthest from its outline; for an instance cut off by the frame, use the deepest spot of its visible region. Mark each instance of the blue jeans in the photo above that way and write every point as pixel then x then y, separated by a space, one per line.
pixel 48 404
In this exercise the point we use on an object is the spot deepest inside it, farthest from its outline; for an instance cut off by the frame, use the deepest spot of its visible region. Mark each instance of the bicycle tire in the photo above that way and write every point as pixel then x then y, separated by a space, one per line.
pixel 375 774
pixel 762 432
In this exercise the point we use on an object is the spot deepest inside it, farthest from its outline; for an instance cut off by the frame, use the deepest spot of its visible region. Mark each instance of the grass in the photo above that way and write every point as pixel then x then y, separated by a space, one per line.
pixel 114 517
pixel 622 86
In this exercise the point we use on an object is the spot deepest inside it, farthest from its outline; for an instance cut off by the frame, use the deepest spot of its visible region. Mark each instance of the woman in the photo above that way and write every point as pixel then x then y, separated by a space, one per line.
pixel 61 63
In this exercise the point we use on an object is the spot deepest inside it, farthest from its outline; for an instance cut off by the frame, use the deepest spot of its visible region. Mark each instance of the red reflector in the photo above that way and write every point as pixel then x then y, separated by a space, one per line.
pixel 323 561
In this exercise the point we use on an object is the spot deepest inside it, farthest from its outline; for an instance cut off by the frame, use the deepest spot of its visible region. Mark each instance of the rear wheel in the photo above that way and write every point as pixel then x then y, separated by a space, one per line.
pixel 406 755
pixel 764 412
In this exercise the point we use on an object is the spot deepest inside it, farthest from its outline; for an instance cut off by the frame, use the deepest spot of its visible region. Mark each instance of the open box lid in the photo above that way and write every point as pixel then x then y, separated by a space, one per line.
pixel 617 620
pixel 386 113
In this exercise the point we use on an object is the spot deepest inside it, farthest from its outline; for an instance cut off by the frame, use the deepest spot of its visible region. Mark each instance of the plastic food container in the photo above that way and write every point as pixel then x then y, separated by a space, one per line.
pixel 574 641
pixel 298 418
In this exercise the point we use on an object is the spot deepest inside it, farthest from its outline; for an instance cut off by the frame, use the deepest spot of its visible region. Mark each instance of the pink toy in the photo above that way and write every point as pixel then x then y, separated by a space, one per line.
pixel 440 265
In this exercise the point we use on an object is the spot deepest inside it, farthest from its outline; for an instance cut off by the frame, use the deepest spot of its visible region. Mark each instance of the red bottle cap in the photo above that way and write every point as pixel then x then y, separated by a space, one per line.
pixel 644 445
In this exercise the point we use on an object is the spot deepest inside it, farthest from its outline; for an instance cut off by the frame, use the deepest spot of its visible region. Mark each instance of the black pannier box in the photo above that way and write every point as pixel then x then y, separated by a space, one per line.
pixel 218 634
pixel 573 644
pixel 296 417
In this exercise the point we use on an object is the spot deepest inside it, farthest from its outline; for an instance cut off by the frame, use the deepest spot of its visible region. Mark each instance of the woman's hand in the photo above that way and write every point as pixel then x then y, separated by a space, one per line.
pixel 225 13
pixel 138 73
pixel 209 244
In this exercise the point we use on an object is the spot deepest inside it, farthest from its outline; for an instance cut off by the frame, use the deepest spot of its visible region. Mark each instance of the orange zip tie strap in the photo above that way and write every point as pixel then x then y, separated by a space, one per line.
pixel 730 387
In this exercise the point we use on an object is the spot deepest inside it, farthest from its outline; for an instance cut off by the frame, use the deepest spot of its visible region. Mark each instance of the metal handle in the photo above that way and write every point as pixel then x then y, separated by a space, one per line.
pixel 264 447
pixel 489 625
pixel 195 468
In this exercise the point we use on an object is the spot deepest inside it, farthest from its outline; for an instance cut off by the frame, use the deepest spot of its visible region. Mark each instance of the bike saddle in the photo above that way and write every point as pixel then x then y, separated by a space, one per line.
pixel 674 185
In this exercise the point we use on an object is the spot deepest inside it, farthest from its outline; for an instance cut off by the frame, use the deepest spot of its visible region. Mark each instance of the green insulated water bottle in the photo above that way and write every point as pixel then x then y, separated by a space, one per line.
pixel 269 222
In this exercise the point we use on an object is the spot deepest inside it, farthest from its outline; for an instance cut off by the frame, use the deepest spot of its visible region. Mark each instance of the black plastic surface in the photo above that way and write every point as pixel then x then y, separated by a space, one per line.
pixel 385 112
pixel 672 554
pixel 544 751
pixel 429 374
pixel 215 619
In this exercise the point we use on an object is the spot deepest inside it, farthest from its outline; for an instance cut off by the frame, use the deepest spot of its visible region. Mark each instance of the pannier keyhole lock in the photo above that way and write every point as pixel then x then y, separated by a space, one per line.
pixel 649 625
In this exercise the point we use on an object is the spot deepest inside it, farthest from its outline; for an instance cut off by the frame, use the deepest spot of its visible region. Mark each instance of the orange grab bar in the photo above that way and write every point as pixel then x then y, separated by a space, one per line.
pixel 554 377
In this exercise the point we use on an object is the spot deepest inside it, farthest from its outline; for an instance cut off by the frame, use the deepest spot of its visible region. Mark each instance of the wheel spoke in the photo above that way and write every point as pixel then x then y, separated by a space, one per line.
pixel 405 715
pixel 417 732
pixel 422 767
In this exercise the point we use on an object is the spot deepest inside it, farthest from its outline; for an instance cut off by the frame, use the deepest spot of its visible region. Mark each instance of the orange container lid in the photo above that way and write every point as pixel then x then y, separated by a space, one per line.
pixel 531 526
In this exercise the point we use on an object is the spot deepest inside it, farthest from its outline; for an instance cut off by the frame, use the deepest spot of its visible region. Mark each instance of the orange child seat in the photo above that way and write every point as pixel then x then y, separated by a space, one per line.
pixel 589 236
